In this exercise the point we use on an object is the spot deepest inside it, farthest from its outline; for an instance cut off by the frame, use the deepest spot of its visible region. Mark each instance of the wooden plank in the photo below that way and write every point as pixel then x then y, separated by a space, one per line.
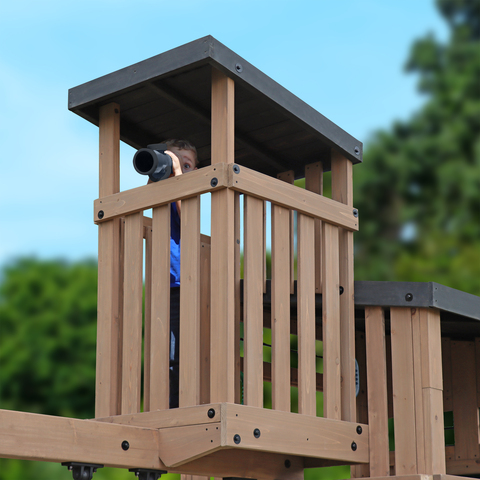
pixel 147 337
pixel 306 316
pixel 262 186
pixel 253 302
pixel 464 390
pixel 331 323
pixel 280 308
pixel 477 366
pixel 342 191
pixel 132 314
pixel 403 391
pixel 447 374
pixel 190 303
pixel 377 391
pixel 160 193
pixel 314 183
pixel 159 358
pixel 107 389
pixel 31 436
pixel 290 433
pixel 205 259
pixel 238 307
pixel 289 177
pixel 431 347
pixel 222 378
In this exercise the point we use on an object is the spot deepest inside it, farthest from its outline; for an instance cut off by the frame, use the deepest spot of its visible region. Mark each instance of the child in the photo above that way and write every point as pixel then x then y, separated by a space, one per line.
pixel 184 160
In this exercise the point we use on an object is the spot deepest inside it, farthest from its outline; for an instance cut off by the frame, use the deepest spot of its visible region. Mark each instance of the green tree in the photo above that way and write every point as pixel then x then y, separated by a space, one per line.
pixel 419 189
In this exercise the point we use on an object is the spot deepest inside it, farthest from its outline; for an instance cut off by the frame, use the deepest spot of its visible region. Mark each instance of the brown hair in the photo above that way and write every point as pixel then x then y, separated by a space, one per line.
pixel 182 145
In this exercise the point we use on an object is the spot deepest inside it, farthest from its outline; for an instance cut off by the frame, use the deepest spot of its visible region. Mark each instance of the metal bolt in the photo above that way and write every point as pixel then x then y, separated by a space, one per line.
pixel 288 463
pixel 211 413
pixel 214 182
pixel 101 214
pixel 125 445
pixel 355 213
pixel 357 150
pixel 236 169
pixel 256 433
pixel 238 67
pixel 354 446
pixel 408 297
pixel 237 439
pixel 359 430
pixel 341 290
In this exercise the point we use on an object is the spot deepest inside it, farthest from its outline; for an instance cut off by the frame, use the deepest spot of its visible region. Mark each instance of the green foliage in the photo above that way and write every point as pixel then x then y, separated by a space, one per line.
pixel 418 191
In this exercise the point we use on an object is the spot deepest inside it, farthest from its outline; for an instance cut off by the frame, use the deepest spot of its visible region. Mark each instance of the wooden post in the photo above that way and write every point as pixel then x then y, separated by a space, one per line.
pixel 222 379
pixel 342 191
pixel 107 393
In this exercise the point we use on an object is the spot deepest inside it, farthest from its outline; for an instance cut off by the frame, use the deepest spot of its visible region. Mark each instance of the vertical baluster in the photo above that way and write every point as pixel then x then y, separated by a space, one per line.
pixel 190 303
pixel 205 259
pixel 280 308
pixel 147 235
pixel 160 310
pixel 132 314
pixel 253 302
pixel 306 315
pixel 331 323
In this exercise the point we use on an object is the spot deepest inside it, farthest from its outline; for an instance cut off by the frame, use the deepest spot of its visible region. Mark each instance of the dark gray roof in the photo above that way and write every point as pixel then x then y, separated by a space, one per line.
pixel 169 96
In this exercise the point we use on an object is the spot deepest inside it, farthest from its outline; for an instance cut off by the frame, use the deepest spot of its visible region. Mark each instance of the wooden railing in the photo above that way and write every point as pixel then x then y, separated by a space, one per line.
pixel 198 345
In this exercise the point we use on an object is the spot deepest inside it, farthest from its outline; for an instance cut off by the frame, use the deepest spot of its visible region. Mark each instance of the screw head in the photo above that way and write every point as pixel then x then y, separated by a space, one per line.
pixel 409 297
pixel 355 213
pixel 214 182
pixel 236 169
pixel 238 67
pixel 101 214
pixel 125 445
pixel 211 413
pixel 237 439
pixel 354 446
pixel 256 433
pixel 341 290
pixel 359 430
pixel 357 150
pixel 288 463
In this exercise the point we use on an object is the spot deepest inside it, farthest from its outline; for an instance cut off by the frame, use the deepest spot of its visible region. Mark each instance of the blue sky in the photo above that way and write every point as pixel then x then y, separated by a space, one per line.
pixel 345 58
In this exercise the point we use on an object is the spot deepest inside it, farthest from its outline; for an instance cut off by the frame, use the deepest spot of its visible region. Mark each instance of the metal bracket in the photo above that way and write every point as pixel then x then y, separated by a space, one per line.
pixel 146 474
pixel 82 471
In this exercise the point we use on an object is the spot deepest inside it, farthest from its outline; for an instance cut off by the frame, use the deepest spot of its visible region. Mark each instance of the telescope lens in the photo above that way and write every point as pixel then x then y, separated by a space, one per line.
pixel 144 161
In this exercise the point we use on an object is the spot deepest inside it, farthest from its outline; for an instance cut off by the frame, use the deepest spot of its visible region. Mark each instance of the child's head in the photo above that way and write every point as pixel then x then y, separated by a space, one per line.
pixel 186 153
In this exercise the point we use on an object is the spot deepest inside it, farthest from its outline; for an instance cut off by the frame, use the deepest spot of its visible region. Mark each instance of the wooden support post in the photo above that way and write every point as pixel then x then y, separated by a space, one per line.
pixel 342 191
pixel 159 341
pixel 222 378
pixel 253 301
pixel 307 404
pixel 280 308
pixel 132 314
pixel 107 393
pixel 314 183
pixel 331 324
pixel 377 392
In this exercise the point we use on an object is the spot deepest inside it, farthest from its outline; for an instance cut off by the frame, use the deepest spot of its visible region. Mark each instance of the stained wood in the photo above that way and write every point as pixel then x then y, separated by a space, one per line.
pixel 159 358
pixel 314 183
pixel 342 191
pixel 447 374
pixel 289 196
pixel 132 314
pixel 107 389
pixel 190 303
pixel 160 193
pixel 377 391
pixel 253 302
pixel 280 291
pixel 205 259
pixel 238 310
pixel 464 390
pixel 147 337
pixel 403 391
pixel 289 177
pixel 306 316
pixel 222 378
pixel 331 324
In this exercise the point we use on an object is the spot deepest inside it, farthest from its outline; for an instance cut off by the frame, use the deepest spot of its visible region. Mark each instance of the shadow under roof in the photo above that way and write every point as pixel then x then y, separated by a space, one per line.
pixel 169 96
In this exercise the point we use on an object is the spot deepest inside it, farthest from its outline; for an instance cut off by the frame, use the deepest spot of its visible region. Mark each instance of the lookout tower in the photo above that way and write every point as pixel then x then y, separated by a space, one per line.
pixel 253 138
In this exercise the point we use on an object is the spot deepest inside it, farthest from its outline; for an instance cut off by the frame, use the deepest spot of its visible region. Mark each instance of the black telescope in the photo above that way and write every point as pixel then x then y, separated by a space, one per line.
pixel 153 161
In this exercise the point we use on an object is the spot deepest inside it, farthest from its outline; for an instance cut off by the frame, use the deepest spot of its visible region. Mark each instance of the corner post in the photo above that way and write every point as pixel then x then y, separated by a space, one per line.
pixel 107 398
pixel 222 348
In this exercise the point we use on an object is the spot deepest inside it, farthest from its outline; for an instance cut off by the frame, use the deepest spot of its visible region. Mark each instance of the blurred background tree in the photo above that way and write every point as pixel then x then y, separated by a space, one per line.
pixel 418 190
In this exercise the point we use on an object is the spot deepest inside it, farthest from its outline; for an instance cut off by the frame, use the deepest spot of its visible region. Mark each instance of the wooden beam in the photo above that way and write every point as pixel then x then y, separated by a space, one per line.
pixel 160 193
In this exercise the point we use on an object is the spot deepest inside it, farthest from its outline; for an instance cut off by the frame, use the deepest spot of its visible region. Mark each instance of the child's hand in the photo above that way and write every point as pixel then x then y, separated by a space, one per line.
pixel 176 165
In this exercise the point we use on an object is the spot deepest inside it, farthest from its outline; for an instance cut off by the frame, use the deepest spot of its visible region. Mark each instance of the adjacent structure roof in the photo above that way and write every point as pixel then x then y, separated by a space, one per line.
pixel 169 96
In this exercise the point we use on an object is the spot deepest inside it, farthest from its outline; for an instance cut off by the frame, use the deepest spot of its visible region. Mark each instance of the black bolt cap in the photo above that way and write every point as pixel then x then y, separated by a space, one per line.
pixel 211 413
pixel 125 445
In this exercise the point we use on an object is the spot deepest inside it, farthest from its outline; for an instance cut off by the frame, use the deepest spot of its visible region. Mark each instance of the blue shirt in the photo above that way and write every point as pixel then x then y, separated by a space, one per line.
pixel 174 246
